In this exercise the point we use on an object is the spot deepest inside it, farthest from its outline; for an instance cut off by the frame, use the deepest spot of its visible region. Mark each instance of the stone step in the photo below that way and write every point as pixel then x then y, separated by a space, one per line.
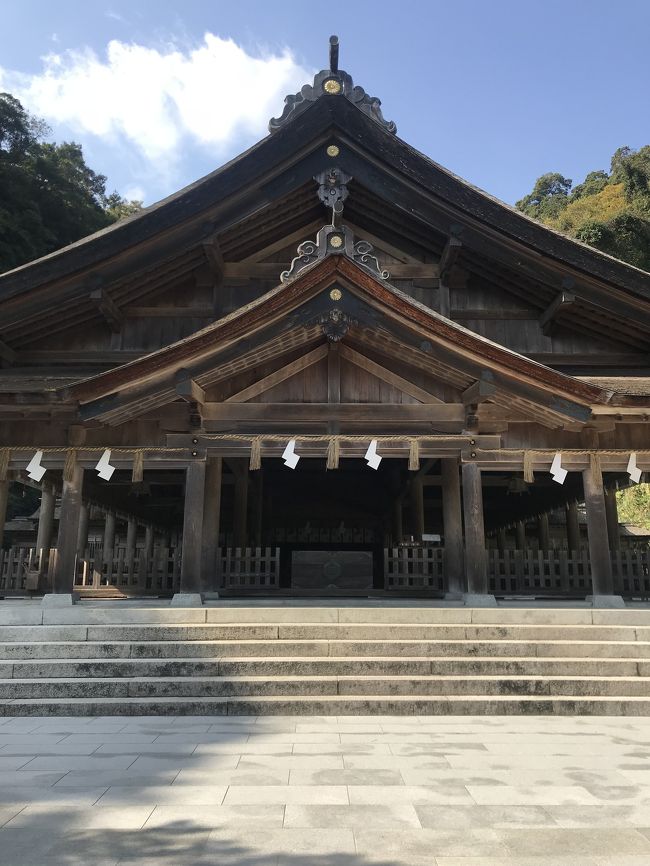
pixel 309 631
pixel 325 666
pixel 264 686
pixel 15 650
pixel 400 611
pixel 461 705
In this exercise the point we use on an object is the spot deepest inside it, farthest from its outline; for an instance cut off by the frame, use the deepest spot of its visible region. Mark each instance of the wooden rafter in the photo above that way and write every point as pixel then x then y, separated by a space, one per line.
pixel 386 375
pixel 548 319
pixel 278 376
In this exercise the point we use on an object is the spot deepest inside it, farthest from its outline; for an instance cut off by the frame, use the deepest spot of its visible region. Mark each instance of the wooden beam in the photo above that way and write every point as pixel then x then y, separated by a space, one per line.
pixel 479 392
pixel 323 412
pixel 278 376
pixel 449 256
pixel 214 258
pixel 189 390
pixel 108 308
pixel 7 354
pixel 334 372
pixel 302 234
pixel 547 318
pixel 272 270
pixel 387 376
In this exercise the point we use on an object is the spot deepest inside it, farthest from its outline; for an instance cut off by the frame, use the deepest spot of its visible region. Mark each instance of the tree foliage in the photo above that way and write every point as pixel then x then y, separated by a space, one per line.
pixel 634 505
pixel 49 197
pixel 608 210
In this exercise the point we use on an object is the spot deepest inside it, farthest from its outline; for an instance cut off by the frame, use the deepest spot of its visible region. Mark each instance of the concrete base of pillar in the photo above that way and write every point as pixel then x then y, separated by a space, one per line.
pixel 60 599
pixel 472 599
pixel 454 596
pixel 211 596
pixel 187 599
pixel 606 601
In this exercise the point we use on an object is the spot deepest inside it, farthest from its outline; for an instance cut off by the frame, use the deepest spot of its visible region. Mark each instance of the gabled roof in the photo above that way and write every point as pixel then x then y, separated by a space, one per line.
pixel 408 182
pixel 295 311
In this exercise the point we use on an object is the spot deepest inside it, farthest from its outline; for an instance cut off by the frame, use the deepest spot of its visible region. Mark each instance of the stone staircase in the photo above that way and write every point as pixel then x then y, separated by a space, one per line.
pixel 109 660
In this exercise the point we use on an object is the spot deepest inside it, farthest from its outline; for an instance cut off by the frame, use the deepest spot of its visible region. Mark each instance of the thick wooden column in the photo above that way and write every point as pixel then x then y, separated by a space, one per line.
pixel 452 517
pixel 191 583
pixel 257 510
pixel 502 539
pixel 417 508
pixel 572 526
pixel 599 554
pixel 46 520
pixel 611 509
pixel 109 542
pixel 82 536
pixel 475 553
pixel 521 534
pixel 131 542
pixel 4 499
pixel 240 516
pixel 543 532
pixel 211 521
pixel 66 545
pixel 148 541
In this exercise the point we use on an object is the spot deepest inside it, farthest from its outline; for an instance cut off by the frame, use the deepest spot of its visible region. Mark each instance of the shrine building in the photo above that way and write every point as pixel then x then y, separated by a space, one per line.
pixel 328 368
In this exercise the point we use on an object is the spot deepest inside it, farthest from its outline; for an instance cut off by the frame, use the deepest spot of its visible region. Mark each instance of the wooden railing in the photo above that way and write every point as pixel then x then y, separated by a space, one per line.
pixel 137 574
pixel 414 568
pixel 539 572
pixel 631 570
pixel 249 567
pixel 406 570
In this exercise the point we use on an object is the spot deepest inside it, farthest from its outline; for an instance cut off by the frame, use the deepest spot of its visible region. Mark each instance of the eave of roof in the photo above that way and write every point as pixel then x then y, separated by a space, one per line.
pixel 284 145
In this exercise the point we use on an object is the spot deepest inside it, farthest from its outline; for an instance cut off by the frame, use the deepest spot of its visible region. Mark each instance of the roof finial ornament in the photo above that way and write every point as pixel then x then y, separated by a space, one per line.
pixel 332 82
pixel 334 54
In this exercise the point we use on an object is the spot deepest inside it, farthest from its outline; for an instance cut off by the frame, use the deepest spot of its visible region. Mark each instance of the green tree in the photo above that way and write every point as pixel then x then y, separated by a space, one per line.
pixel 548 198
pixel 608 211
pixel 49 197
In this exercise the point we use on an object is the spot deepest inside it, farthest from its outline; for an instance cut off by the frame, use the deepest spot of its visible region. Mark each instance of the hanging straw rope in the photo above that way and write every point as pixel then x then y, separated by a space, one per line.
pixel 137 472
pixel 5 454
pixel 529 475
pixel 70 464
pixel 256 453
pixel 333 453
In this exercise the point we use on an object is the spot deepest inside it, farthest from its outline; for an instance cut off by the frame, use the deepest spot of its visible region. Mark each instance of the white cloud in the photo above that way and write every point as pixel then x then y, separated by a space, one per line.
pixel 157 100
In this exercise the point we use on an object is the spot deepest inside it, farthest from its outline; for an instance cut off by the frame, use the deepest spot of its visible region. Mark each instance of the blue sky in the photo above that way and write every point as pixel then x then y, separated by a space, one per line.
pixel 498 91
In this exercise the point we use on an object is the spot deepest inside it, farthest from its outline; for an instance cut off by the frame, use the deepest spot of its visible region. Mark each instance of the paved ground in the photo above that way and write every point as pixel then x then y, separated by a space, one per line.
pixel 325 791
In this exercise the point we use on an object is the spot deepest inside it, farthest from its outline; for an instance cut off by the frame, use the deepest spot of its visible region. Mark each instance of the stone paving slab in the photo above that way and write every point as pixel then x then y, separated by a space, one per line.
pixel 333 791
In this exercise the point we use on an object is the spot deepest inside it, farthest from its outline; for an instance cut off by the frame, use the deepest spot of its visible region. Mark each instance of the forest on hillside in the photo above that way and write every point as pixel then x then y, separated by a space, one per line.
pixel 609 210
pixel 49 197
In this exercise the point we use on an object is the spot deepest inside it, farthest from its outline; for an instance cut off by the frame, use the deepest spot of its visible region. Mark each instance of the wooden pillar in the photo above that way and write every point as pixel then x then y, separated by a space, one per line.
pixel 191 582
pixel 502 539
pixel 109 541
pixel 82 536
pixel 599 554
pixel 46 520
pixel 257 510
pixel 4 499
pixel 475 553
pixel 613 529
pixel 148 541
pixel 521 535
pixel 453 525
pixel 66 545
pixel 240 517
pixel 543 532
pixel 417 508
pixel 211 521
pixel 572 526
